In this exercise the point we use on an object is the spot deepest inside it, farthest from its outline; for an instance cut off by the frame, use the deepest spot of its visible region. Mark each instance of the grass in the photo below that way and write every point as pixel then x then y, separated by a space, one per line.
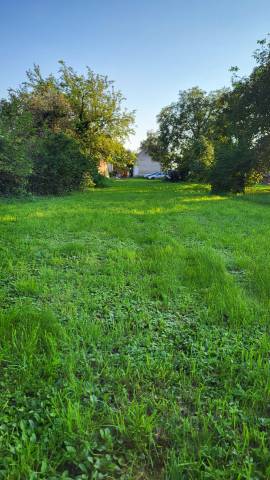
pixel 134 335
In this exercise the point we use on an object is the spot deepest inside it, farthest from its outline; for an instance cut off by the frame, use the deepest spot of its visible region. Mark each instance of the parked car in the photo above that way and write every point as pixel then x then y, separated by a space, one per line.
pixel 156 176
pixel 147 175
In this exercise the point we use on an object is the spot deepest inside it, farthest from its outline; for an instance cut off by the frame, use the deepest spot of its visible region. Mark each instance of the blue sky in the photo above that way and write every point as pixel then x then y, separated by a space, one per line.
pixel 151 48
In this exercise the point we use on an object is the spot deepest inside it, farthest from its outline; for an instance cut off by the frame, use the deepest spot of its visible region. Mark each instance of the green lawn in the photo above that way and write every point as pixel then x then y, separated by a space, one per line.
pixel 135 335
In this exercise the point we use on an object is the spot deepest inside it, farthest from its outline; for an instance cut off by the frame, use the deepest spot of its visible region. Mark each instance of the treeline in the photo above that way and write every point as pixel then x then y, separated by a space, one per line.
pixel 222 137
pixel 55 132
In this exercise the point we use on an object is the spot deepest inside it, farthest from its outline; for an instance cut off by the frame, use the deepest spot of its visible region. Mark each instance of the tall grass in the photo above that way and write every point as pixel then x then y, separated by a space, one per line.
pixel 134 335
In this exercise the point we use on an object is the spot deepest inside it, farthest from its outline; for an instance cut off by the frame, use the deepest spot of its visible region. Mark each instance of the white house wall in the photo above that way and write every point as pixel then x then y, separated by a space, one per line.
pixel 144 164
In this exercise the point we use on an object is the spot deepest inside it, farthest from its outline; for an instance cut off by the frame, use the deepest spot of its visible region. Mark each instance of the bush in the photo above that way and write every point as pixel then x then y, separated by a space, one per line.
pixel 232 169
pixel 174 176
pixel 101 181
pixel 15 166
pixel 59 166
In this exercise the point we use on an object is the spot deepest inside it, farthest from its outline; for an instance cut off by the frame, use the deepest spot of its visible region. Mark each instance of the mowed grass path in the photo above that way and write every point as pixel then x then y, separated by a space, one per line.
pixel 134 335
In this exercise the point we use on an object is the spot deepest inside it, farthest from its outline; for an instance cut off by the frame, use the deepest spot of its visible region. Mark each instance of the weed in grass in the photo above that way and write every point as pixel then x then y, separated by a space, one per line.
pixel 134 335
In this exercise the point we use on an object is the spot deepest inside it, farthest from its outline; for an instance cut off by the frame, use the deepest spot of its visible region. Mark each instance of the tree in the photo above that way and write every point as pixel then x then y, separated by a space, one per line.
pixel 122 158
pixel 15 148
pixel 99 119
pixel 243 128
pixel 154 146
pixel 185 134
pixel 58 165
pixel 198 158
pixel 233 167
pixel 80 112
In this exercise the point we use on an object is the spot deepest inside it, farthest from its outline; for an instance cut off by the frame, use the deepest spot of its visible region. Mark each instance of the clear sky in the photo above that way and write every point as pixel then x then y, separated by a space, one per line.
pixel 151 48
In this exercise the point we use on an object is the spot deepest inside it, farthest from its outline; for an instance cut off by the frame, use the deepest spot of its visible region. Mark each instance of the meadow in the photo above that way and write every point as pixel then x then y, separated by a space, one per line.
pixel 134 334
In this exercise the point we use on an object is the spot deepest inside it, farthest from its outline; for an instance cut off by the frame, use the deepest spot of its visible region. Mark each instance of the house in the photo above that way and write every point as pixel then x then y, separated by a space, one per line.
pixel 144 164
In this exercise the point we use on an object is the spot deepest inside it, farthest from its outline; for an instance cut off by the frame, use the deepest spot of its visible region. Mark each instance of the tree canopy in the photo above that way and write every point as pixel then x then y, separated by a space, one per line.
pixel 222 136
pixel 185 131
pixel 87 110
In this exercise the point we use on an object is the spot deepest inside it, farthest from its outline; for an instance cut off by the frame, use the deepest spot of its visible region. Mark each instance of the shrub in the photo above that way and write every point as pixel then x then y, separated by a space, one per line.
pixel 87 182
pixel 233 166
pixel 174 176
pixel 101 181
pixel 58 165
pixel 15 166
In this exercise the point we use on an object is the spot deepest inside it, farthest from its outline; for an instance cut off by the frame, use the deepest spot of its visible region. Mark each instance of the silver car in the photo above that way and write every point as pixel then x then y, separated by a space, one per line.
pixel 156 176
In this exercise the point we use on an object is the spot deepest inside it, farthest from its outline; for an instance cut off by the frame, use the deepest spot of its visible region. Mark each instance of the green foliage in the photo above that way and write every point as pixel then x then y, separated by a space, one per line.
pixel 14 168
pixel 96 106
pixel 234 162
pixel 15 161
pixel 222 136
pixel 101 181
pixel 243 128
pixel 184 140
pixel 198 158
pixel 58 165
pixel 122 158
pixel 153 145
pixel 134 334
pixel 81 113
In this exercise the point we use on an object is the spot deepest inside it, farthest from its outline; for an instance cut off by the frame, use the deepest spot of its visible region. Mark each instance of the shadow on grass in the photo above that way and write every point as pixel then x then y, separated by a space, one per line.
pixel 133 197
pixel 260 195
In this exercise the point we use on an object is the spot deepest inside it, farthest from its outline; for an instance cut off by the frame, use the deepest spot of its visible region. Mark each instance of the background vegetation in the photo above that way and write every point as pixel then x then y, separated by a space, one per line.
pixel 55 132
pixel 223 136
